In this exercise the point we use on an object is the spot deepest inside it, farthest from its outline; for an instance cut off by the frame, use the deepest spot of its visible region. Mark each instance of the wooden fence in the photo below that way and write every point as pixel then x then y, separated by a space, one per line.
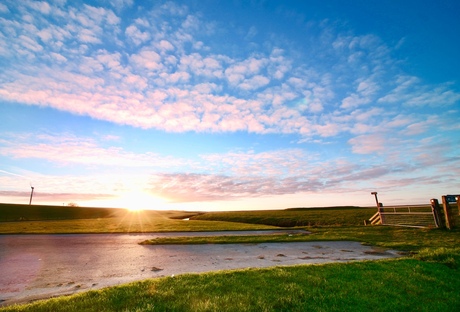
pixel 420 215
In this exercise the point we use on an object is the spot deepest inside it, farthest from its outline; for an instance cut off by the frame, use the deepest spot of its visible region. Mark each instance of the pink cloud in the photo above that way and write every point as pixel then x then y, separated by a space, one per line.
pixel 67 150
pixel 201 187
pixel 368 144
pixel 147 59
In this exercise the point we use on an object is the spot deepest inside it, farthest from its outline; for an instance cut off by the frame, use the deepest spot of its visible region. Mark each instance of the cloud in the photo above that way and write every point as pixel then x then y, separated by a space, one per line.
pixel 69 149
pixel 208 187
pixel 254 83
pixel 368 144
pixel 40 6
pixel 121 4
pixel 219 176
pixel 173 78
pixel 271 163
pixel 147 59
pixel 136 35
pixel 4 8
pixel 411 92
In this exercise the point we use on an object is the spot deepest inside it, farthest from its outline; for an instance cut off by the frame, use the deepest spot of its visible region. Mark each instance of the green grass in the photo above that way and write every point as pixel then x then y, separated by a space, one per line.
pixel 17 212
pixel 334 216
pixel 125 222
pixel 119 225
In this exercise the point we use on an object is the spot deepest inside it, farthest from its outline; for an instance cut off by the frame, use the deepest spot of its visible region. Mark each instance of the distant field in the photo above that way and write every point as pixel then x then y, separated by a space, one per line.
pixel 42 219
pixel 36 219
pixel 332 216
pixel 16 212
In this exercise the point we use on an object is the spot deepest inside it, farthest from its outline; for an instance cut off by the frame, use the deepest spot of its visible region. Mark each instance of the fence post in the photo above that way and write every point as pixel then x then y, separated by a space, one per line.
pixel 458 204
pixel 436 212
pixel 380 209
pixel 447 213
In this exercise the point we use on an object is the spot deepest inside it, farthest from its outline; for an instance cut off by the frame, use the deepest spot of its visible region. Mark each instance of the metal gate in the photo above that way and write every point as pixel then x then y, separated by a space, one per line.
pixel 411 216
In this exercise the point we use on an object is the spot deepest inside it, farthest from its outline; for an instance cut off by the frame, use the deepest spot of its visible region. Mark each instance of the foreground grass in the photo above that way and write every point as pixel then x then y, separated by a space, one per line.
pixel 426 283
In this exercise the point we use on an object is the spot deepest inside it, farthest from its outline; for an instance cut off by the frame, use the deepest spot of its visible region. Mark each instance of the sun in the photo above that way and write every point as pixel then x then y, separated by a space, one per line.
pixel 134 209
pixel 137 201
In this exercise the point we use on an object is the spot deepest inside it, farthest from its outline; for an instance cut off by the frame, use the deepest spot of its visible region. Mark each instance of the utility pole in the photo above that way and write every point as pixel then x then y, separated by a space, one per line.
pixel 31 194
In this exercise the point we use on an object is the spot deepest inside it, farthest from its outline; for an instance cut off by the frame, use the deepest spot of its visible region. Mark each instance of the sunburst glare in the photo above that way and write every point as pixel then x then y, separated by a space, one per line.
pixel 138 201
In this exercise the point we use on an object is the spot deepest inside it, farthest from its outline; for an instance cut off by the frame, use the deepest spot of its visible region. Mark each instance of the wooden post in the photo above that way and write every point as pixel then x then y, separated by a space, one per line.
pixel 436 212
pixel 447 213
pixel 379 207
pixel 458 204
pixel 382 218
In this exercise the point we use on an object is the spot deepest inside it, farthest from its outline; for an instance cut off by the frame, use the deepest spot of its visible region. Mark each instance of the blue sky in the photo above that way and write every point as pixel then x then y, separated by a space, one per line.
pixel 215 105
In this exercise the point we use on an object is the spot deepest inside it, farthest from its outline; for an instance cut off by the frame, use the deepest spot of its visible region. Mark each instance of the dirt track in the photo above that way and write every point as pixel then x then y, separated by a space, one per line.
pixel 42 266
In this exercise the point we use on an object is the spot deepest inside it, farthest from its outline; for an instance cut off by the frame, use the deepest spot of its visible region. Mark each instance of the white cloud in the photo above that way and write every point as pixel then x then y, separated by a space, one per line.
pixel 30 44
pixel 410 91
pixel 88 36
pixel 58 57
pixel 165 46
pixel 137 36
pixel 254 83
pixel 263 91
pixel 40 6
pixel 148 59
pixel 353 101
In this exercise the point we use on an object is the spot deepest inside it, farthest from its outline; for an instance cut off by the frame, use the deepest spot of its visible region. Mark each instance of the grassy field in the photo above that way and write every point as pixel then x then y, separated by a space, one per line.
pixel 124 221
pixel 333 216
pixel 55 219
pixel 17 212
pixel 426 279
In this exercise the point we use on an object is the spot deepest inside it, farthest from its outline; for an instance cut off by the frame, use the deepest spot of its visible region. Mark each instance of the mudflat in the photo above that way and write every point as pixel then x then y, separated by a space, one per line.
pixel 42 266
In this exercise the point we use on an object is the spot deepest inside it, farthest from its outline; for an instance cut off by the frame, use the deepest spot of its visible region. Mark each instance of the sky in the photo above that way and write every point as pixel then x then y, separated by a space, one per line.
pixel 229 105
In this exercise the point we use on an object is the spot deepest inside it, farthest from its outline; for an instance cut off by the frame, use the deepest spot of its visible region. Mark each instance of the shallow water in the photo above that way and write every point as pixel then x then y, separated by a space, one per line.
pixel 40 266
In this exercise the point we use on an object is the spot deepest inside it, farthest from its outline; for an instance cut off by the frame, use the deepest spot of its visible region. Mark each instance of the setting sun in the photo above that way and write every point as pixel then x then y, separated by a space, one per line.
pixel 138 200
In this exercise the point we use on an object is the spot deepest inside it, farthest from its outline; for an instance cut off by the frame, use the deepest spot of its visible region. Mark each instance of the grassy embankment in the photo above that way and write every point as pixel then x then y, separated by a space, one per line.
pixel 426 280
